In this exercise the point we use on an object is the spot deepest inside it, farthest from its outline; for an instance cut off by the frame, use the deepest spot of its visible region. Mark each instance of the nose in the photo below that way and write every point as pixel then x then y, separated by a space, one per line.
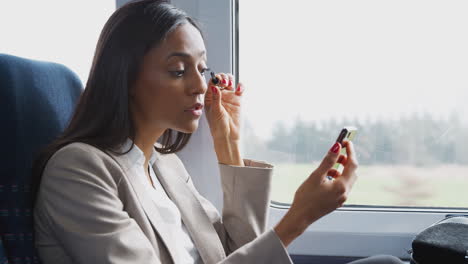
pixel 198 84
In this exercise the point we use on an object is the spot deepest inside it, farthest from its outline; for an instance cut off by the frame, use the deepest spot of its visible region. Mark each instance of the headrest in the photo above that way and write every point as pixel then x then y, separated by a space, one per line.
pixel 37 100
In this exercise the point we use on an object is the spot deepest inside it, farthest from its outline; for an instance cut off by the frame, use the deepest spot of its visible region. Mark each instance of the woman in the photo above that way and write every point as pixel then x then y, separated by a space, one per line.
pixel 109 193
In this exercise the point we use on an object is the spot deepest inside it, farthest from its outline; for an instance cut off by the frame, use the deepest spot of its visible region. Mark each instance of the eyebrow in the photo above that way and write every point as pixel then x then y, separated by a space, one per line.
pixel 184 54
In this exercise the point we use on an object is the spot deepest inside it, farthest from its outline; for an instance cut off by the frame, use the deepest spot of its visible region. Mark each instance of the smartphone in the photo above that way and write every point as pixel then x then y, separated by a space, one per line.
pixel 347 133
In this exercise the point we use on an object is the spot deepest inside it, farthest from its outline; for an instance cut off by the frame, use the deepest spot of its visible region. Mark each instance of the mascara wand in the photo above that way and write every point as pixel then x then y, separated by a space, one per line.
pixel 214 79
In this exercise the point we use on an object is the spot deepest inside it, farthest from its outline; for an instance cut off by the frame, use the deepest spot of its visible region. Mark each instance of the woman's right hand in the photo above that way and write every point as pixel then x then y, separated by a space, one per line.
pixel 317 195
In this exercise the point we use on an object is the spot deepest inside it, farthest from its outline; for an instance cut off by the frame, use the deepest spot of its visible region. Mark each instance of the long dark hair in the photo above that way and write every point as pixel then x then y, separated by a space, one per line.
pixel 102 116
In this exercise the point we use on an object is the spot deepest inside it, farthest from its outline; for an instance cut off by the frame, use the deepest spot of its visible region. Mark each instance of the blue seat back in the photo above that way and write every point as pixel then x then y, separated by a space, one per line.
pixel 36 103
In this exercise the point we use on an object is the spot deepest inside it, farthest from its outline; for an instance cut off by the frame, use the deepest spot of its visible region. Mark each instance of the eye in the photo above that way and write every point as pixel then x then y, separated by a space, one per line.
pixel 178 73
pixel 204 70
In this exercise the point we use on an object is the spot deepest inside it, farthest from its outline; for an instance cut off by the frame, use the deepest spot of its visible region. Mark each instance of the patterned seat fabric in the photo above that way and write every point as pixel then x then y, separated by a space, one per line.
pixel 36 101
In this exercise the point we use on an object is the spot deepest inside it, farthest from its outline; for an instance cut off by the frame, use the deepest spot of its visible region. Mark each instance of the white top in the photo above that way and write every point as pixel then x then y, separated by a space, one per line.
pixel 168 210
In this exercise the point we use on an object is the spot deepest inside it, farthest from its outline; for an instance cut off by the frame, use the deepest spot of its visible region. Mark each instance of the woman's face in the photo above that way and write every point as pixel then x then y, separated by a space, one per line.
pixel 171 83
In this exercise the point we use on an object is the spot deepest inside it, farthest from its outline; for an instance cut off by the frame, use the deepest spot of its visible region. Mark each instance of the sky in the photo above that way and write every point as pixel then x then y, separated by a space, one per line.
pixel 366 59
pixel 64 31
pixel 313 60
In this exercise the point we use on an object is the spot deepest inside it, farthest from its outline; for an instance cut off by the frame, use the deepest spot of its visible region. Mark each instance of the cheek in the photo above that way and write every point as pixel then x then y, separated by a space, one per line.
pixel 160 99
pixel 151 93
pixel 165 102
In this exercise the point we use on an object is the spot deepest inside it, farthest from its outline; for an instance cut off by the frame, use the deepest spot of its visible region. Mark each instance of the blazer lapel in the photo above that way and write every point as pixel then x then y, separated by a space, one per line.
pixel 151 211
pixel 196 220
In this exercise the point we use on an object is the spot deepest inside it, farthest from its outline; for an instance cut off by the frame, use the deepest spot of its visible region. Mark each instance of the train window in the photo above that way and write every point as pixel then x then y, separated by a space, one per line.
pixel 60 31
pixel 397 70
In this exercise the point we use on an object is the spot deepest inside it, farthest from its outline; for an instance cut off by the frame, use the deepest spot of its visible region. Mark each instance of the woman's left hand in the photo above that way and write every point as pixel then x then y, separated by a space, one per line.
pixel 223 108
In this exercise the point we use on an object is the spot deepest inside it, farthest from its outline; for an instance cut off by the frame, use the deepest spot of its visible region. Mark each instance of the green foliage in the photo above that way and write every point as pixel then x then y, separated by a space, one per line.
pixel 417 140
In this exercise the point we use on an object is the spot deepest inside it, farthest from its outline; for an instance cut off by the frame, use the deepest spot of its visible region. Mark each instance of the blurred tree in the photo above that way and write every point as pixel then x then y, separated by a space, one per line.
pixel 416 139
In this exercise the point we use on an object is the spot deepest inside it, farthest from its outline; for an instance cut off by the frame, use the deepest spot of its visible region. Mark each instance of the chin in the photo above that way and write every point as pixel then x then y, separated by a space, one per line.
pixel 188 129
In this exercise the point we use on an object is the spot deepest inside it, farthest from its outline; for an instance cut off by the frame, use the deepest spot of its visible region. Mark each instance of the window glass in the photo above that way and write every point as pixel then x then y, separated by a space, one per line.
pixel 396 70
pixel 61 31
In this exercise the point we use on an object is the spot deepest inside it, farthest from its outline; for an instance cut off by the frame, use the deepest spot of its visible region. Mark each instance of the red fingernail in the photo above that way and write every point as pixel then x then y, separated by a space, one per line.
pixel 214 89
pixel 238 88
pixel 333 173
pixel 230 83
pixel 340 159
pixel 224 81
pixel 335 147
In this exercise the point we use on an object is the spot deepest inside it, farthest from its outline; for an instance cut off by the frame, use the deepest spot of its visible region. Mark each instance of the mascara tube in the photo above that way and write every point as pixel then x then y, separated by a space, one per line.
pixel 215 81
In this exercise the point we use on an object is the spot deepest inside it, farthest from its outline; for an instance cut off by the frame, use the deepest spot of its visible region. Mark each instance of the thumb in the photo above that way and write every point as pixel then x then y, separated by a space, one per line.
pixel 329 160
pixel 216 96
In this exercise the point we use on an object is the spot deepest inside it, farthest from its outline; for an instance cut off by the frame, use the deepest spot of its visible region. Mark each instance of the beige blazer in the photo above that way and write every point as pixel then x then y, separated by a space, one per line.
pixel 90 209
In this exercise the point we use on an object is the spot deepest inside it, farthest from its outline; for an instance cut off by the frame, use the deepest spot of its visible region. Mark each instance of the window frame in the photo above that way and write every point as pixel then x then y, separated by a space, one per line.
pixel 351 231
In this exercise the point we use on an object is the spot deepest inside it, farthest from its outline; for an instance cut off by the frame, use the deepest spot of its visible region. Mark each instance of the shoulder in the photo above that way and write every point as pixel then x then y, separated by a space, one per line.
pixel 79 152
pixel 82 159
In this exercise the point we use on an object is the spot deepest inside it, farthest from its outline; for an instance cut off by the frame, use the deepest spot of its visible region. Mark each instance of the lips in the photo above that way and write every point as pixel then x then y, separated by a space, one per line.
pixel 197 106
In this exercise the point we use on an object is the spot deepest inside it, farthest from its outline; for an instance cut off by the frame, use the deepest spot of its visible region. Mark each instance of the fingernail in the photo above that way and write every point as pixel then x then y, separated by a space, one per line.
pixel 214 90
pixel 335 147
pixel 238 88
pixel 340 159
pixel 230 83
pixel 224 81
